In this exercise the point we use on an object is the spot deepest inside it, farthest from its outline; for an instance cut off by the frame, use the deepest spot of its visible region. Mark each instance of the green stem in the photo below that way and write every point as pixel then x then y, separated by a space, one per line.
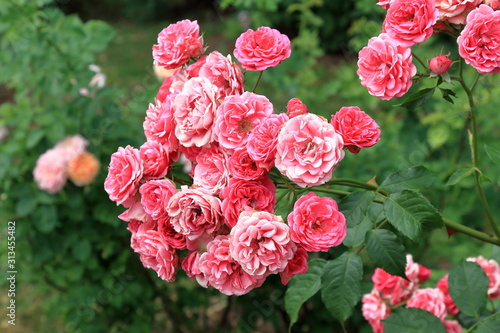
pixel 257 82
pixel 357 184
pixel 419 60
pixel 470 232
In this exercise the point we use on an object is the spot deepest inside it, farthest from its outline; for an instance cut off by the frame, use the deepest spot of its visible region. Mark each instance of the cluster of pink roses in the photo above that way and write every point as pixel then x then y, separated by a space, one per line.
pixel 68 159
pixel 385 65
pixel 221 229
pixel 392 291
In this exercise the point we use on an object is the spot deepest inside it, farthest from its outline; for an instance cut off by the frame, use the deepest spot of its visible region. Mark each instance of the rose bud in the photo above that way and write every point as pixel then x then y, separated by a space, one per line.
pixel 295 107
pixel 440 64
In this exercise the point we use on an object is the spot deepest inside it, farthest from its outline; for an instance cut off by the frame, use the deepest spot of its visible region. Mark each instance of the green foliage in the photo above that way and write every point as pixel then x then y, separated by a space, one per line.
pixel 386 251
pixel 413 320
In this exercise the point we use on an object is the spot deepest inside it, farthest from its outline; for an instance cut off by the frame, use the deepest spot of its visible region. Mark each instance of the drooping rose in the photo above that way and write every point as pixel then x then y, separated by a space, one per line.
pixel 429 299
pixel 50 171
pixel 374 310
pixel 440 64
pixel 242 166
pixel 492 270
pixel 158 256
pixel 83 168
pixel 455 11
pixel 155 195
pixel 156 159
pixel 295 108
pixel 296 265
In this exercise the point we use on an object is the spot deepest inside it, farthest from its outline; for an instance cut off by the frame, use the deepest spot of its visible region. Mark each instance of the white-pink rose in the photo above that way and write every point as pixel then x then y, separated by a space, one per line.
pixel 223 73
pixel 429 299
pixel 455 11
pixel 374 310
pixel 50 171
pixel 210 171
pixel 492 270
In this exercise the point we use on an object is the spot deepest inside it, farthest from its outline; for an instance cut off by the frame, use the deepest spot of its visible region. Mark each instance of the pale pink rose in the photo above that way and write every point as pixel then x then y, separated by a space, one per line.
pixel 223 73
pixel 125 170
pixel 71 146
pixel 448 301
pixel 155 158
pixel 155 195
pixel 429 299
pixel 296 265
pixel 263 139
pixel 385 68
pixel 455 11
pixel 194 212
pixel 410 21
pixel 316 223
pixel 440 64
pixel 194 112
pixel 223 273
pixel 357 128
pixel 50 171
pixel 374 310
pixel 241 195
pixel 241 165
pixel 138 228
pixel 191 265
pixel 210 171
pixel 237 116
pixel 260 242
pixel 479 42
pixel 261 49
pixel 415 272
pixel 308 150
pixel 393 288
pixel 452 326
pixel 177 43
pixel 159 126
pixel 495 4
pixel 169 235
pixel 295 108
pixel 158 256
pixel 492 270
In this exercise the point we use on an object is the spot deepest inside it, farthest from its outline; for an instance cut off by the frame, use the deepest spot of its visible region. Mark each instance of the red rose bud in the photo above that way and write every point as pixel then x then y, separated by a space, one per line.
pixel 295 108
pixel 440 64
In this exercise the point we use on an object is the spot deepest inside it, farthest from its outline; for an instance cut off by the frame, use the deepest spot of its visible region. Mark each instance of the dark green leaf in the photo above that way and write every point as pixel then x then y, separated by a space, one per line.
pixel 417 99
pixel 46 218
pixel 355 236
pixel 34 137
pixel 447 93
pixel 413 320
pixel 355 205
pixel 341 285
pixel 387 251
pixel 490 324
pixel 26 205
pixel 458 175
pixel 495 253
pixel 493 152
pixel 81 249
pixel 415 178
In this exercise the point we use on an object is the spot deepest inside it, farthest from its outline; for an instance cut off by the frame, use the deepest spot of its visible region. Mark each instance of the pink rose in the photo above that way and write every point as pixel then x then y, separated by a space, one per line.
pixel 159 126
pixel 455 11
pixel 260 242
pixel 138 229
pixel 448 301
pixel 295 108
pixel 452 326
pixel 172 85
pixel 374 310
pixel 50 172
pixel 316 223
pixel 308 150
pixel 416 273
pixel 194 212
pixel 242 166
pixel 125 170
pixel 177 43
pixel 261 49
pixel 158 256
pixel 296 265
pixel 429 299
pixel 135 212
pixel 410 21
pixel 223 273
pixel 169 235
pixel 393 288
pixel 384 3
pixel 223 73
pixel 241 195
pixel 191 265
pixel 194 112
pixel 494 4
pixel 210 171
pixel 385 68
pixel 492 270
pixel 71 146
pixel 155 195
pixel 237 116
pixel 479 42
pixel 440 64
pixel 155 158
pixel 261 144
pixel 357 128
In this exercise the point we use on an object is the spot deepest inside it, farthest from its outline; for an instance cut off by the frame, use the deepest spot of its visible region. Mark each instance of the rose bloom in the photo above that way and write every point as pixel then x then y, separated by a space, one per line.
pixel 155 195
pixel 410 21
pixel 452 326
pixel 210 171
pixel 138 228
pixel 223 273
pixel 191 265
pixel 374 310
pixel 308 150
pixel 125 170
pixel 223 73
pixel 393 288
pixel 241 195
pixel 262 141
pixel 479 42
pixel 440 64
pixel 455 11
pixel 448 301
pixel 384 3
pixel 492 270
pixel 357 128
pixel 194 112
pixel 260 242
pixel 194 212
pixel 169 235
pixel 172 84
pixel 296 265
pixel 385 68
pixel 50 172
pixel 237 116
pixel 429 299
pixel 156 159
pixel 242 166
pixel 416 273
pixel 71 146
pixel 135 212
pixel 158 256
pixel 159 126
pixel 316 223
pixel 83 169
pixel 495 4
pixel 295 108
pixel 261 49
pixel 177 43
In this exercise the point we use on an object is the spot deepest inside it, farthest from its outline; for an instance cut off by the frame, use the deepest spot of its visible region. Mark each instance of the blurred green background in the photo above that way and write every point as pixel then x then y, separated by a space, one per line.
pixel 76 271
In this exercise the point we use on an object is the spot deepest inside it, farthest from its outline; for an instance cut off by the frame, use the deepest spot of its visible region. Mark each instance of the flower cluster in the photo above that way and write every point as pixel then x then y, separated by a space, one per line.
pixel 220 226
pixel 67 159
pixel 385 65
pixel 391 291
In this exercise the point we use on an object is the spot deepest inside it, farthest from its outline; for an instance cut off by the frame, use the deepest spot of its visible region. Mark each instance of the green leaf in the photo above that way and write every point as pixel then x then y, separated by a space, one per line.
pixel 493 152
pixel 408 210
pixel 447 93
pixel 355 205
pixel 355 236
pixel 415 178
pixel 302 287
pixel 490 324
pixel 341 285
pixel 458 175
pixel 387 251
pixel 26 205
pixel 495 253
pixel 81 249
pixel 413 320
pixel 46 218
pixel 468 286
pixel 417 99
pixel 34 137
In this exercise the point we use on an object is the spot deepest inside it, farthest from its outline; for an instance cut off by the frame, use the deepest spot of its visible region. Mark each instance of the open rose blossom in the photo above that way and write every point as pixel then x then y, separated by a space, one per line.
pixel 169 235
pixel 138 229
pixel 455 11
pixel 223 73
pixel 479 42
pixel 50 172
pixel 83 168
pixel 210 170
pixel 224 273
pixel 448 301
pixel 155 195
pixel 125 170
pixel 385 67
pixel 374 310
pixel 393 288
pixel 357 128
pixel 410 21
pixel 191 265
pixel 296 265
pixel 261 49
pixel 495 4
pixel 71 146
pixel 308 150
pixel 260 242
pixel 159 126
pixel 316 223
pixel 429 299
pixel 242 166
pixel 156 159
pixel 177 43
pixel 492 270
pixel 158 256
pixel 295 108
